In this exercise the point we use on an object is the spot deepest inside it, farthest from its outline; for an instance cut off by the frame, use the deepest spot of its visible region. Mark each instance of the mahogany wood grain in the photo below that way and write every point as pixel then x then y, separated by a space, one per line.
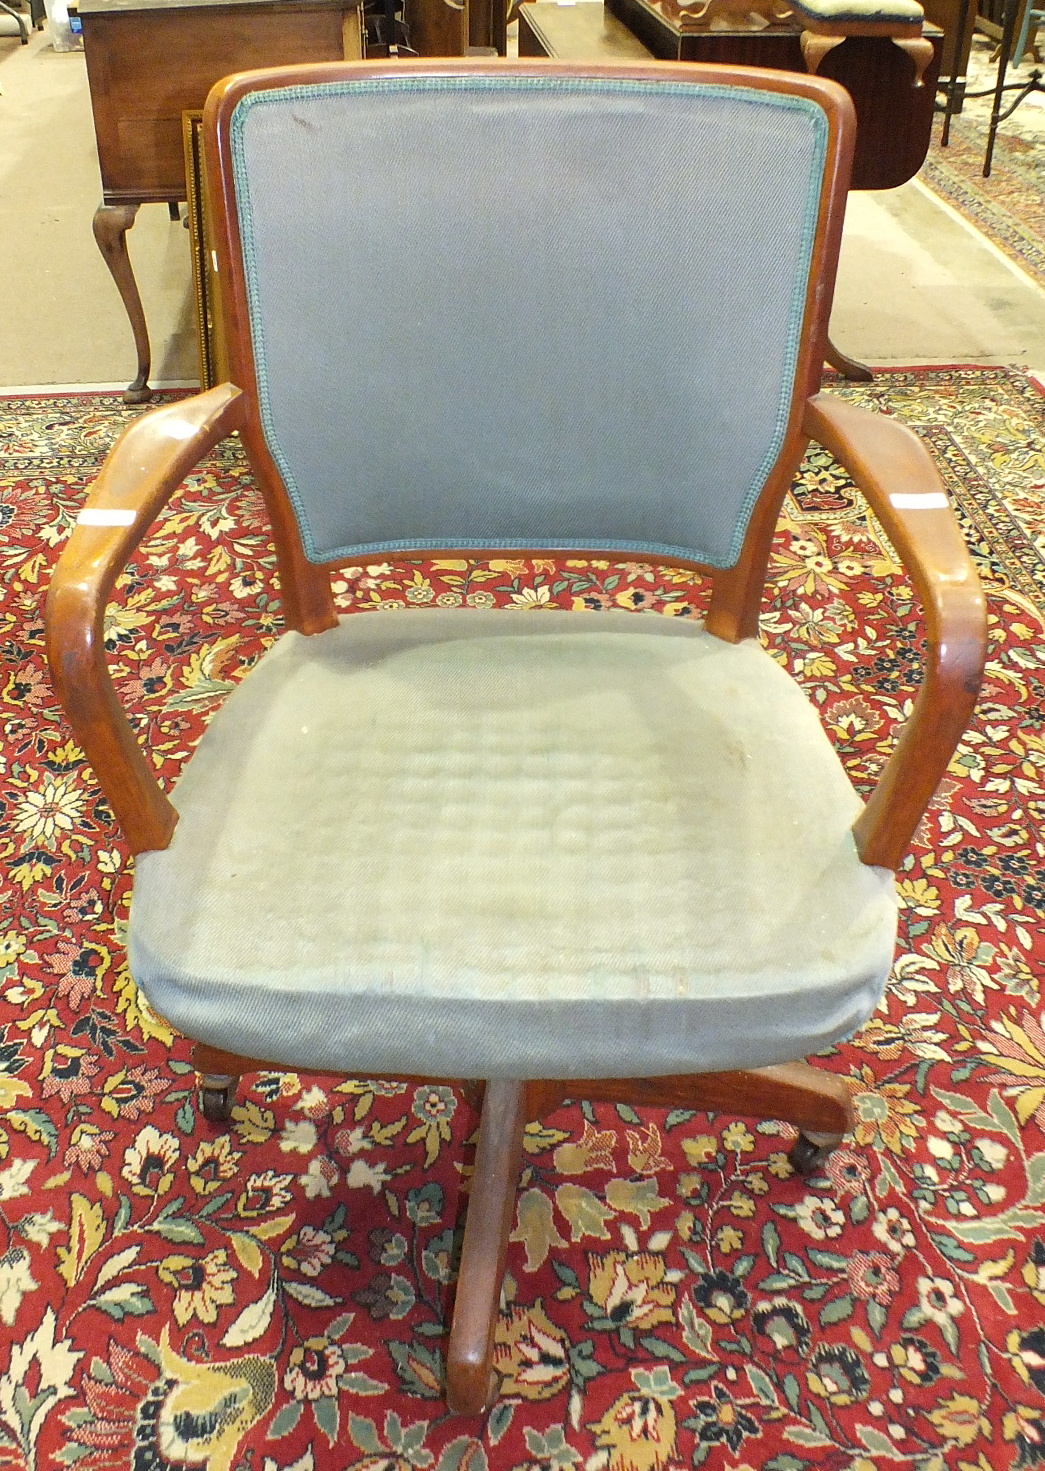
pixel 441 28
pixel 491 1211
pixel 148 61
pixel 144 468
pixel 488 24
pixel 946 14
pixel 111 223
pixel 793 1093
pixel 904 489
pixel 584 32
pixel 846 366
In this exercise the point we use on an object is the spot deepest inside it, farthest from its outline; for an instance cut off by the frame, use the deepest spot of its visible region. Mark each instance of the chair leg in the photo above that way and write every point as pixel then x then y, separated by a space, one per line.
pixel 491 1210
pixel 23 30
pixel 848 367
pixel 816 1101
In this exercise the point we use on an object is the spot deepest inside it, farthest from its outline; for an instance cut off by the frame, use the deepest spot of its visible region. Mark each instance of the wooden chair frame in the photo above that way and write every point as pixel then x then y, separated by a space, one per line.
pixel 887 462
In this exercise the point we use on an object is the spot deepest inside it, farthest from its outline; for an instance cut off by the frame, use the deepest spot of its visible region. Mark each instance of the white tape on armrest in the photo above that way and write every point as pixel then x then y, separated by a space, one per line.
pixel 926 500
pixel 106 516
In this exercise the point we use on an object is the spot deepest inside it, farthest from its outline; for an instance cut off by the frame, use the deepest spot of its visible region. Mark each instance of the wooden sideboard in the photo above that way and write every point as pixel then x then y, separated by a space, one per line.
pixel 148 61
pixel 151 61
pixel 584 32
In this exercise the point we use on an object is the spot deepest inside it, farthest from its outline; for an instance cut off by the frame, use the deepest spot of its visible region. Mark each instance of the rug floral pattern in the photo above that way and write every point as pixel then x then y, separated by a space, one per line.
pixel 272 1293
pixel 1008 206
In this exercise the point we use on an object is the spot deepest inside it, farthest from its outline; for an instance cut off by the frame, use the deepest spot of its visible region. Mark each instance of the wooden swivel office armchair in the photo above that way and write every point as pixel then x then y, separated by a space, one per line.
pixel 536 308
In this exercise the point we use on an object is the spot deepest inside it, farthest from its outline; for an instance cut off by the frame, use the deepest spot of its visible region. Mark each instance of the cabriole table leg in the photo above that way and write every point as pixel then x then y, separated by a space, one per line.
pixel 111 223
pixel 847 366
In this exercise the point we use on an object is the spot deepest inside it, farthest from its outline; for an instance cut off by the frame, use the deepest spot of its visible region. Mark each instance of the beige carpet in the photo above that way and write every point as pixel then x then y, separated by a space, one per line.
pixel 65 323
pixel 916 285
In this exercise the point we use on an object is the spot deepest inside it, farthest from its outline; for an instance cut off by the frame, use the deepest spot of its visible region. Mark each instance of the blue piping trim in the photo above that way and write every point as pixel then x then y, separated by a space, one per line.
pixel 570 85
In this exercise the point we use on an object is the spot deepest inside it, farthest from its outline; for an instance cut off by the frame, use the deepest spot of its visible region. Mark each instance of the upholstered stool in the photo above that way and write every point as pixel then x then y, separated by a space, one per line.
pixel 827 23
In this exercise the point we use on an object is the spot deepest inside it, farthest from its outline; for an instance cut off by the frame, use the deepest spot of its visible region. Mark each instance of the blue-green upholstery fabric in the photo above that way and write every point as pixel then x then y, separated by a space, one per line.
pixel 481 844
pixel 526 312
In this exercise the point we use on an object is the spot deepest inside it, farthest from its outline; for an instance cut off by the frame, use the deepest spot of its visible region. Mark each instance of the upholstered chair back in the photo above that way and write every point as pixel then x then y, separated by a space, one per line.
pixel 430 375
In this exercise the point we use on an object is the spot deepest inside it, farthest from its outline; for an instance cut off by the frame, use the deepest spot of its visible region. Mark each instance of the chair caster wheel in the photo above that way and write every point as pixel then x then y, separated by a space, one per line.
pixel 216 1101
pixel 808 1154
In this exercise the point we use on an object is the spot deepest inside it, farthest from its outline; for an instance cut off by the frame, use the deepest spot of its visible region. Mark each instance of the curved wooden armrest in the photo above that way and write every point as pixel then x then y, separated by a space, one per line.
pixel 903 487
pixel 145 466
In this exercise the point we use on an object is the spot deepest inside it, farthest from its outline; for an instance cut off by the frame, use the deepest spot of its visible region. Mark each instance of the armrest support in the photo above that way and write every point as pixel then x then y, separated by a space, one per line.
pixel 894 471
pixel 145 466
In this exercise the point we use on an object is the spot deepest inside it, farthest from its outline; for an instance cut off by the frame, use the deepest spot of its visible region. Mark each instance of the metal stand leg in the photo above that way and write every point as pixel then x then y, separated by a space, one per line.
pixel 1007 37
pixel 23 30
pixel 1033 83
pixel 111 223
pixel 955 89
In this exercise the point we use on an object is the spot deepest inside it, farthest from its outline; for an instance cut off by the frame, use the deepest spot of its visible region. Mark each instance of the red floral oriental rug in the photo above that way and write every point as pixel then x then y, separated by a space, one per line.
pixel 273 1294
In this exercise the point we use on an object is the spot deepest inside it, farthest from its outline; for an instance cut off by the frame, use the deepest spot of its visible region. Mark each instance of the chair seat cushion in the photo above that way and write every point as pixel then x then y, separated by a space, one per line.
pixel 468 843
